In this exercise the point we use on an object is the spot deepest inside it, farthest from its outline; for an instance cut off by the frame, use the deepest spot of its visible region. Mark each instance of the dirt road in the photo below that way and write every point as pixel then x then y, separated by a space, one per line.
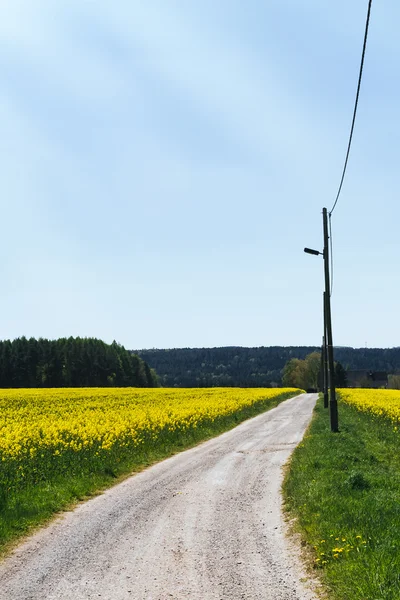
pixel 203 525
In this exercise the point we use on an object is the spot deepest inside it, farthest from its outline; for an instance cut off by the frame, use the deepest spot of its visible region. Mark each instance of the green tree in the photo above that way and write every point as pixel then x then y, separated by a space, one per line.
pixel 294 373
pixel 340 375
pixel 71 362
pixel 313 367
pixel 394 382
pixel 302 373
pixel 289 372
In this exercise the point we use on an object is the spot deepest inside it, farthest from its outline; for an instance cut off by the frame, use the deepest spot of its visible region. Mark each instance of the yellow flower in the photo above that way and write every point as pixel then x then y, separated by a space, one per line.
pixel 381 403
pixel 47 431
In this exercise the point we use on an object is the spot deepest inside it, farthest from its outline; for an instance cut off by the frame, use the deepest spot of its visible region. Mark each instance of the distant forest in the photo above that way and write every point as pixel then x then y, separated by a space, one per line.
pixel 252 367
pixel 71 362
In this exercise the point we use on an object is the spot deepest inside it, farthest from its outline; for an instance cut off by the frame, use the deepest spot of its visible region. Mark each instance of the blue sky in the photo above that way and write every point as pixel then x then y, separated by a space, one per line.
pixel 163 164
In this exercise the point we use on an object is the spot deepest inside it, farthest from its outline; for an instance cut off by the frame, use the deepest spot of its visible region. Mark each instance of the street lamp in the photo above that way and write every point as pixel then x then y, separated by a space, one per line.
pixel 328 325
pixel 311 251
pixel 324 353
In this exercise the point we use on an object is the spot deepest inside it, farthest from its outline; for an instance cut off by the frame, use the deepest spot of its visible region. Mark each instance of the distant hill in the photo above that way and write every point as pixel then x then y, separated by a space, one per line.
pixel 252 367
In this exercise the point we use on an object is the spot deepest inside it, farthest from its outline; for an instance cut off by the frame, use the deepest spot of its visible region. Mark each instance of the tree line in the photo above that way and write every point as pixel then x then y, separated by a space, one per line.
pixel 218 367
pixel 71 362
pixel 307 373
pixel 253 367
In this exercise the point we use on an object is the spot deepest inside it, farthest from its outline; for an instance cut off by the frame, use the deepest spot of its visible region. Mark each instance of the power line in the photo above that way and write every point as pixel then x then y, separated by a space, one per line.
pixel 350 140
pixel 355 106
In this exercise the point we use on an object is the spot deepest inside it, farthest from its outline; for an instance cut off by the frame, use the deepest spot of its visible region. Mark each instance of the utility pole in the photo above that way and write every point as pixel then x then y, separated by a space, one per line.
pixel 321 380
pixel 332 399
pixel 325 360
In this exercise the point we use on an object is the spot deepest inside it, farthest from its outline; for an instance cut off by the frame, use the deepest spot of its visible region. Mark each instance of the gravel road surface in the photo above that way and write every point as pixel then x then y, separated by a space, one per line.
pixel 205 524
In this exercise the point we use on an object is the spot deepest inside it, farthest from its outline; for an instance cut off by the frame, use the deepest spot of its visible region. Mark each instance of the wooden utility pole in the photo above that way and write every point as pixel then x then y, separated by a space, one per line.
pixel 332 399
pixel 325 360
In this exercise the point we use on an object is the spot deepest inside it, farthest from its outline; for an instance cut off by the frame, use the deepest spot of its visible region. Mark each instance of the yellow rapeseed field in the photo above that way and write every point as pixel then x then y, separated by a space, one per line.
pixel 46 433
pixel 381 403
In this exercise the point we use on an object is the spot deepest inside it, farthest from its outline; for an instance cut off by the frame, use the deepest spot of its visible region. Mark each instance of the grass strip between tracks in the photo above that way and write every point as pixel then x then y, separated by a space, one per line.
pixel 24 510
pixel 344 490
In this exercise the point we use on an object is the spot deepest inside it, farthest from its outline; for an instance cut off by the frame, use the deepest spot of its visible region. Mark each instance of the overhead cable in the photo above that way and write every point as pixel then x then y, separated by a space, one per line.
pixel 355 106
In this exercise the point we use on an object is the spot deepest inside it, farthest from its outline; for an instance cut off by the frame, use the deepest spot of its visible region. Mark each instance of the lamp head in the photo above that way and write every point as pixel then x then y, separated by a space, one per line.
pixel 311 251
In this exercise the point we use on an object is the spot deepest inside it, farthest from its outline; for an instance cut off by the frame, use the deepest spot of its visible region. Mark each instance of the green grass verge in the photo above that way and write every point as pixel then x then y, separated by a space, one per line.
pixel 22 511
pixel 344 490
